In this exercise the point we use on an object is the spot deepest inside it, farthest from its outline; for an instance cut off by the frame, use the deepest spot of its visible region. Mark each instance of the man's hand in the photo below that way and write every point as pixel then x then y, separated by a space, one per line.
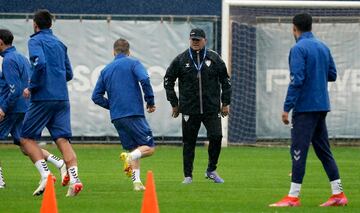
pixel 224 110
pixel 150 108
pixel 26 93
pixel 175 112
pixel 2 114
pixel 285 118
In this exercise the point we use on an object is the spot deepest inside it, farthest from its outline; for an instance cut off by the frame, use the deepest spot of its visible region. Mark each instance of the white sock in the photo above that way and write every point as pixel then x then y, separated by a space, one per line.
pixel 42 168
pixel 73 173
pixel 1 178
pixel 336 186
pixel 294 190
pixel 58 162
pixel 136 175
pixel 136 154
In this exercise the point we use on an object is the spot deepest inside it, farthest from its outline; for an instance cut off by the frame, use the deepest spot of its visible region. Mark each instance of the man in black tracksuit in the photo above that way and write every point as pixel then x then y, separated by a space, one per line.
pixel 203 84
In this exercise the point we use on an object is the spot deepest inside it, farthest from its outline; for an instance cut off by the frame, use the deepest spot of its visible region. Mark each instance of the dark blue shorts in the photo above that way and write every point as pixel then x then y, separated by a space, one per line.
pixel 134 131
pixel 54 115
pixel 12 124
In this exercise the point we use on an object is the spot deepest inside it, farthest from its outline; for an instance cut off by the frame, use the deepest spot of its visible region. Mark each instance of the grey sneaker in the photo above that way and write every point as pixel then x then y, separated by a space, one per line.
pixel 214 176
pixel 187 180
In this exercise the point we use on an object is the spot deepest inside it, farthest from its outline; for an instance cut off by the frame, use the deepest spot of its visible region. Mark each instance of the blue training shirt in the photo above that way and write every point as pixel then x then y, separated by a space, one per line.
pixel 120 80
pixel 311 67
pixel 51 67
pixel 14 79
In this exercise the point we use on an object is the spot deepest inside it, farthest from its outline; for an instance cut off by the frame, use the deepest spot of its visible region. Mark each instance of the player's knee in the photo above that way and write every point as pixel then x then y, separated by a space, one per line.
pixel 215 138
pixel 151 150
pixel 61 140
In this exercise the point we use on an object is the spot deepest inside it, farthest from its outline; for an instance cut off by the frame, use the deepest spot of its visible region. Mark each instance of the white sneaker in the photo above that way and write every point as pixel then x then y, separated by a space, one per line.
pixel 138 186
pixel 42 185
pixel 65 178
pixel 187 180
pixel 74 189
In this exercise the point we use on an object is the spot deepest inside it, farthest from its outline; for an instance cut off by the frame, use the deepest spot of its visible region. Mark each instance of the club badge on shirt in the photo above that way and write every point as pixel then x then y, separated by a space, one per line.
pixel 186 117
pixel 208 63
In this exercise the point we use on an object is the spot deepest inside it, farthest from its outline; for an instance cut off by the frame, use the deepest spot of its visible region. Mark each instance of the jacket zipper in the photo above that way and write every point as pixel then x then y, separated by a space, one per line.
pixel 200 84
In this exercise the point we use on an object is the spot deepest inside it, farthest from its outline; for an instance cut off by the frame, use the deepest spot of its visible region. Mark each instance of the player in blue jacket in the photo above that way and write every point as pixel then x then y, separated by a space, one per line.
pixel 311 68
pixel 120 81
pixel 49 106
pixel 13 80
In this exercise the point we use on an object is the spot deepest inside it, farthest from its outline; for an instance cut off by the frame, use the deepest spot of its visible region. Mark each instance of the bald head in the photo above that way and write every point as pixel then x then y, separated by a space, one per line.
pixel 121 46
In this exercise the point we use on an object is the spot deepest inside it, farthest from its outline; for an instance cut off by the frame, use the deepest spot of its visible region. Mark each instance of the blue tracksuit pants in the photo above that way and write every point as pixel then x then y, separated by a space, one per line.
pixel 310 127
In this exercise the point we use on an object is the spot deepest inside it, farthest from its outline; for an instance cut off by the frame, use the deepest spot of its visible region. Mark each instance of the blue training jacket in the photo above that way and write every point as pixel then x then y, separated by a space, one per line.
pixel 51 67
pixel 311 67
pixel 14 78
pixel 120 80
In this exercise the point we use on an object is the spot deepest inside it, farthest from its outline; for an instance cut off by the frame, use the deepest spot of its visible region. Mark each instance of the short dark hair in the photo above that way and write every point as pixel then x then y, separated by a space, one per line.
pixel 43 19
pixel 121 46
pixel 6 36
pixel 303 22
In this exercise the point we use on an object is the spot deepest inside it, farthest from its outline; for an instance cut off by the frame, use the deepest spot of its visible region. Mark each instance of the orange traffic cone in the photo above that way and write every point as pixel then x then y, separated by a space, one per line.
pixel 49 201
pixel 150 202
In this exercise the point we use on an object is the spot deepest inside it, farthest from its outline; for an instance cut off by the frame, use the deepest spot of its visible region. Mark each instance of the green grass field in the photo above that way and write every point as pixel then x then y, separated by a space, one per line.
pixel 254 177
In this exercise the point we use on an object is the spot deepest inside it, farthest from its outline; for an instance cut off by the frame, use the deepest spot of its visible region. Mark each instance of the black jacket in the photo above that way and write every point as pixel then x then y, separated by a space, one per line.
pixel 198 96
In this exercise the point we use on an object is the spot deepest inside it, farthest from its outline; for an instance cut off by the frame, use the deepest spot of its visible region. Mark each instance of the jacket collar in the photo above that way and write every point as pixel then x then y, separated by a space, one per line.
pixel 120 55
pixel 43 31
pixel 200 53
pixel 8 50
pixel 306 35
